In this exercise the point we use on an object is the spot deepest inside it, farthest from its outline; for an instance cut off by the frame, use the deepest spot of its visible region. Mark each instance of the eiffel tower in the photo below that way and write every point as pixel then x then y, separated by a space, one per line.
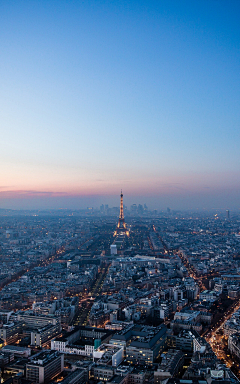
pixel 121 225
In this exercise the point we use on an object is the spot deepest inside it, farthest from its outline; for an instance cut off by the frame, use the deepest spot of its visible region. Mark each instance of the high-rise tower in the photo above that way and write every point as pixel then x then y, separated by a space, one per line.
pixel 121 225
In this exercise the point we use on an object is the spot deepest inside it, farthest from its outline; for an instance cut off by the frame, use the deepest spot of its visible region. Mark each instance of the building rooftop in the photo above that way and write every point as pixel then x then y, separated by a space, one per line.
pixel 43 358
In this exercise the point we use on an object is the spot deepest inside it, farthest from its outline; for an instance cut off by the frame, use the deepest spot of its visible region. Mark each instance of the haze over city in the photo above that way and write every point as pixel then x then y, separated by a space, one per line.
pixel 140 95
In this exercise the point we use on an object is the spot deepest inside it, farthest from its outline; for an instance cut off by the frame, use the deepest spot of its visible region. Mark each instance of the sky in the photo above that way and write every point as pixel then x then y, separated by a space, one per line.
pixel 101 95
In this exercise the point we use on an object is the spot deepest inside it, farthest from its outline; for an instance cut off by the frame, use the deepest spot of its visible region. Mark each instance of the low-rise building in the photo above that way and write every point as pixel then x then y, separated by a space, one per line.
pixel 44 366
pixel 234 344
pixel 207 295
pixel 172 361
pixel 9 333
pixel 43 335
pixel 109 354
pixel 143 344
pixel 81 341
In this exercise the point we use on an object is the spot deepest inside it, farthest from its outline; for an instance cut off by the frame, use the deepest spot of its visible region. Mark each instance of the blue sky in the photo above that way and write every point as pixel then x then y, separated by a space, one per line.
pixel 102 95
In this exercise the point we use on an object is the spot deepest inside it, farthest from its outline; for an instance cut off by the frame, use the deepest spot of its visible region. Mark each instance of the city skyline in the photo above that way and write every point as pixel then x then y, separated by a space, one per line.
pixel 101 96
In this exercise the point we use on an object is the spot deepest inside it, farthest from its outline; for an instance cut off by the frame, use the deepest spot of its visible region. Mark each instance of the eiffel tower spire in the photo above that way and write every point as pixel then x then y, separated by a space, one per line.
pixel 121 225
pixel 121 216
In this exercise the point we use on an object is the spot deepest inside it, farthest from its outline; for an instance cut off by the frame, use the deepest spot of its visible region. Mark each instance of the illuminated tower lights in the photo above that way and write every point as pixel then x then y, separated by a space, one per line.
pixel 121 225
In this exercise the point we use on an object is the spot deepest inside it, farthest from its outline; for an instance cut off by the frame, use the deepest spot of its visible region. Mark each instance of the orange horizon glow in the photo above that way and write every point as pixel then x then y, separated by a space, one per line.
pixel 137 185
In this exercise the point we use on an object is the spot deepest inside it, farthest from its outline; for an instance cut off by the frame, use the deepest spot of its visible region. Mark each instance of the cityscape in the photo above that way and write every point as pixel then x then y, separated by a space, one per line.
pixel 120 192
pixel 142 297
